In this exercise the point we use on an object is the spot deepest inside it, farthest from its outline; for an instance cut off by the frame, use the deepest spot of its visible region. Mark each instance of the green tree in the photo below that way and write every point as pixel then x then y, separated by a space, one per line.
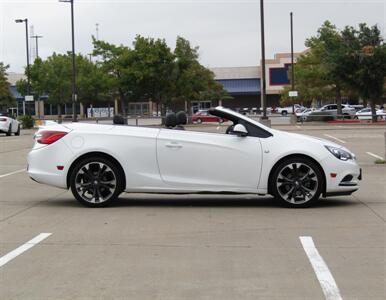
pixel 53 77
pixel 328 47
pixel 115 62
pixel 56 79
pixel 366 58
pixel 153 64
pixel 6 98
pixel 93 83
pixel 192 81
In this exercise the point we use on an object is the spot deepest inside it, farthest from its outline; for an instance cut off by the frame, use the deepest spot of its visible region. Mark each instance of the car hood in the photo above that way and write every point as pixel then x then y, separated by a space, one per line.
pixel 303 137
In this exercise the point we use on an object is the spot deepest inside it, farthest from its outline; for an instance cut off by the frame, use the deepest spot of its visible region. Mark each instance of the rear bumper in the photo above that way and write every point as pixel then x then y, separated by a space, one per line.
pixel 43 164
pixel 4 128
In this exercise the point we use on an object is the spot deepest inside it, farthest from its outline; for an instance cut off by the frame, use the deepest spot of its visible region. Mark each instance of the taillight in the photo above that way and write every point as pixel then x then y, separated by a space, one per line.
pixel 48 137
pixel 3 119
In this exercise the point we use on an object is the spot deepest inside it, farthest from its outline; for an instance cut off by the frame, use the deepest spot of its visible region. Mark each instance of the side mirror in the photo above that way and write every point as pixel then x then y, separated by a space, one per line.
pixel 239 130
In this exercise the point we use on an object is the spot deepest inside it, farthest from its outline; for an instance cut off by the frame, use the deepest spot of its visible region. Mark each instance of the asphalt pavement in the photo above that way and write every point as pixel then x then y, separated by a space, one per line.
pixel 193 246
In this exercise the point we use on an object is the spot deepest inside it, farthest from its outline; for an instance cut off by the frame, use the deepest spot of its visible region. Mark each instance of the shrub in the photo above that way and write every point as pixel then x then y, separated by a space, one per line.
pixel 26 121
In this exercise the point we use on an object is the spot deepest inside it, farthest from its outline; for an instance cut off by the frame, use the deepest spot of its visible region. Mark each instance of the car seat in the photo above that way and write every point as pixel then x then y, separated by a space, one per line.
pixel 170 120
pixel 182 119
pixel 118 120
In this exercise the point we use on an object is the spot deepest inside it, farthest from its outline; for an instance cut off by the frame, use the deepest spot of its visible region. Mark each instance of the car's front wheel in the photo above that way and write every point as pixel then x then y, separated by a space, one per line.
pixel 297 182
pixel 9 132
pixel 96 181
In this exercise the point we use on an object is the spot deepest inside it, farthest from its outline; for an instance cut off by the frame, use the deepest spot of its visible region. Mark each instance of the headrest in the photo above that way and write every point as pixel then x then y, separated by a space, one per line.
pixel 118 120
pixel 170 120
pixel 181 117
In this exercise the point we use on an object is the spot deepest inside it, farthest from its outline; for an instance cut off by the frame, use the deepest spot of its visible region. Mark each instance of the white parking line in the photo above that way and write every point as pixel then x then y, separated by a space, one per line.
pixel 374 155
pixel 335 138
pixel 11 255
pixel 9 140
pixel 327 282
pixel 14 172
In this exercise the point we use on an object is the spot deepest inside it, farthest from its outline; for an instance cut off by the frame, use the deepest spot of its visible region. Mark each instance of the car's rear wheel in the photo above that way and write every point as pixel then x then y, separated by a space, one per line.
pixel 297 182
pixel 284 113
pixel 199 121
pixel 96 181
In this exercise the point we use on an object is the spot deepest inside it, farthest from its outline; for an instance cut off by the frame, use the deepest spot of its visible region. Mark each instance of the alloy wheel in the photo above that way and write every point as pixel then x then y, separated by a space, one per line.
pixel 95 182
pixel 297 183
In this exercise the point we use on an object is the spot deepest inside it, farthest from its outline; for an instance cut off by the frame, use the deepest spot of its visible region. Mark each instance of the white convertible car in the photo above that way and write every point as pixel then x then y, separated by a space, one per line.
pixel 99 162
pixel 9 125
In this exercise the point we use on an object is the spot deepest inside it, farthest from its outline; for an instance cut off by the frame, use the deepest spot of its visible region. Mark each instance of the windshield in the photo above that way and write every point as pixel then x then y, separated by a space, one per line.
pixel 254 127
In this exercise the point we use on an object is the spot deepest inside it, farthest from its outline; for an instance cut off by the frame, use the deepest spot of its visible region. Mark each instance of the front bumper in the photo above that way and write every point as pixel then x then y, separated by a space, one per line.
pixel 342 177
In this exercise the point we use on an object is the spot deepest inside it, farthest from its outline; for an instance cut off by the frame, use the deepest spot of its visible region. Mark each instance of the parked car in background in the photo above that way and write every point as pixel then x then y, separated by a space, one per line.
pixel 288 110
pixel 203 116
pixel 253 110
pixel 301 114
pixel 9 125
pixel 332 109
pixel 365 114
pixel 357 107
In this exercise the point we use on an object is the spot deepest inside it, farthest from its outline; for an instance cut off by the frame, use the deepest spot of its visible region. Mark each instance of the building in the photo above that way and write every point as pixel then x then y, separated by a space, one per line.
pixel 244 83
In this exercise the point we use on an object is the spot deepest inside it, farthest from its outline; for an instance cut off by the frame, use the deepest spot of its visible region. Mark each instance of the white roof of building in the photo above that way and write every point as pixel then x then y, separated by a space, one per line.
pixel 14 77
pixel 236 72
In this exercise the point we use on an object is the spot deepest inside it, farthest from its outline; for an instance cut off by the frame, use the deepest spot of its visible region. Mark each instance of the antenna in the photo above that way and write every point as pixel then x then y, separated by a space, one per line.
pixel 32 49
pixel 97 31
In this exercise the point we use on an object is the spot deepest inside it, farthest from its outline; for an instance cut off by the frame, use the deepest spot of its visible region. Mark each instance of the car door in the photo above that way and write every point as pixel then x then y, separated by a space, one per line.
pixel 209 161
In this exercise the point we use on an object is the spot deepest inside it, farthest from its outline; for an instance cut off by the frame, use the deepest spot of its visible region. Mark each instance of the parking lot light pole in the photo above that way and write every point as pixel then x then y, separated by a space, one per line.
pixel 28 67
pixel 74 96
pixel 292 60
pixel 263 81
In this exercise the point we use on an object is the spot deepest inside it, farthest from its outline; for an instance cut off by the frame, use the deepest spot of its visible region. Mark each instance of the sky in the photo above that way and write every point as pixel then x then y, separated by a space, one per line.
pixel 227 31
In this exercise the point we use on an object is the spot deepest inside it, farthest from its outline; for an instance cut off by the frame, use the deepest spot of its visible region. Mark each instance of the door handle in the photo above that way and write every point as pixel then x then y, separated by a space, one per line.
pixel 173 145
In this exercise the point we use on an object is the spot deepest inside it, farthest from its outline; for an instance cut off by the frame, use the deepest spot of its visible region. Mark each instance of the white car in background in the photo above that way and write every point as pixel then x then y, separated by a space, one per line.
pixel 365 114
pixel 301 114
pixel 99 162
pixel 332 109
pixel 288 110
pixel 9 125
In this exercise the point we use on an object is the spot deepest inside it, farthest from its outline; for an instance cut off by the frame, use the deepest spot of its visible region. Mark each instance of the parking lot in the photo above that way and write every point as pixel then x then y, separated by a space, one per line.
pixel 193 246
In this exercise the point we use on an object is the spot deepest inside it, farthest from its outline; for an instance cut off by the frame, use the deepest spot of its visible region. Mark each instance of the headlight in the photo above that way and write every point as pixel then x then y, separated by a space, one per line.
pixel 339 153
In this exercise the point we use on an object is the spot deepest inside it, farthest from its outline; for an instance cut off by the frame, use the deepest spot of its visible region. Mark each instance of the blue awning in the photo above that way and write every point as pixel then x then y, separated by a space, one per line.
pixel 241 86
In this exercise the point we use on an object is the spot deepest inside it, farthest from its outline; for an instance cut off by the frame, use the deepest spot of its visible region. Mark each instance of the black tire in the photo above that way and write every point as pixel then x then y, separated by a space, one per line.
pixel 284 113
pixel 199 121
pixel 9 132
pixel 301 186
pixel 88 184
pixel 18 130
